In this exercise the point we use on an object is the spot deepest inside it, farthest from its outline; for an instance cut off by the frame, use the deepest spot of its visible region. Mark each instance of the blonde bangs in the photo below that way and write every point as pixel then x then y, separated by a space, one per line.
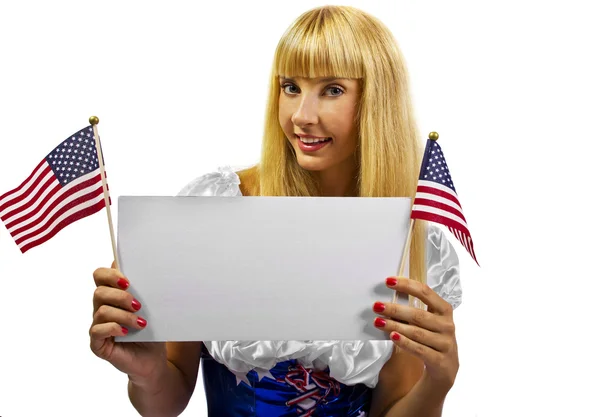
pixel 320 44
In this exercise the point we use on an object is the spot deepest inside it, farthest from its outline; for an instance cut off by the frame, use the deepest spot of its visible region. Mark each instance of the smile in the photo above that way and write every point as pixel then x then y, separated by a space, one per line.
pixel 312 144
pixel 313 139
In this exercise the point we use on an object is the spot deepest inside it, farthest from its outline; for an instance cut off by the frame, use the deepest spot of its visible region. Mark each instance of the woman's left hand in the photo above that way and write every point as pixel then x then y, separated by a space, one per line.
pixel 426 334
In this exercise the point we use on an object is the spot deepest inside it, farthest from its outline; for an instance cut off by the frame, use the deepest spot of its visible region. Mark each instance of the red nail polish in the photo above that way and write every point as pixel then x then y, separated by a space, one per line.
pixel 379 322
pixel 141 322
pixel 122 283
pixel 391 282
pixel 124 330
pixel 396 336
pixel 136 304
pixel 378 307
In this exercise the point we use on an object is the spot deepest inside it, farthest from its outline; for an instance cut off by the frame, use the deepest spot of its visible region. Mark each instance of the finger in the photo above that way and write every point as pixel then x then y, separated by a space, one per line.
pixel 110 277
pixel 109 314
pixel 425 337
pixel 414 316
pixel 425 353
pixel 116 298
pixel 100 332
pixel 423 292
pixel 114 264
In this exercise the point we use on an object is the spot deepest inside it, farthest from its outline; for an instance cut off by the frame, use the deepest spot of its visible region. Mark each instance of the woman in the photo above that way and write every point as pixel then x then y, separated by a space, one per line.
pixel 339 123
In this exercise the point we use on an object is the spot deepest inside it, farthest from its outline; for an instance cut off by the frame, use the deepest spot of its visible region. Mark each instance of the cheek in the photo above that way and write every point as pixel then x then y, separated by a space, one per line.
pixel 345 125
pixel 285 117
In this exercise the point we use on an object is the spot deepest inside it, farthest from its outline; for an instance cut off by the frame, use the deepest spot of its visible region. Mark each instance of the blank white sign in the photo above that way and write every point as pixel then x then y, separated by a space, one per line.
pixel 260 268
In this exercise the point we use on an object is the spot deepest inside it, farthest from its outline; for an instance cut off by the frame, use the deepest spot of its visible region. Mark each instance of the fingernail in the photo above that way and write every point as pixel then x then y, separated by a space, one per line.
pixel 141 322
pixel 378 307
pixel 136 304
pixel 379 322
pixel 122 283
pixel 396 336
pixel 391 282
pixel 124 330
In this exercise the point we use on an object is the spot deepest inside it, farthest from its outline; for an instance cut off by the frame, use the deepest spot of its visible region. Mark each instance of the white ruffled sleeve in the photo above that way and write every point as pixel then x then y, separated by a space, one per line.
pixel 443 271
pixel 223 183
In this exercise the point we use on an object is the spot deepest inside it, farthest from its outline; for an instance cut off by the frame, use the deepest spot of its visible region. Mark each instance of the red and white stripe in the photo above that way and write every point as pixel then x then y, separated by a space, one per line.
pixel 40 207
pixel 437 203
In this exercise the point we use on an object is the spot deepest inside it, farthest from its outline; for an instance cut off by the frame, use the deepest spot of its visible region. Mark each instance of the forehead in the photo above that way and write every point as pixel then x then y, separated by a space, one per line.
pixel 311 57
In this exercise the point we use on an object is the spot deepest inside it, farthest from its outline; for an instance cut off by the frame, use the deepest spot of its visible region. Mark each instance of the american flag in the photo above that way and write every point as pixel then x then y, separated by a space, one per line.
pixel 436 199
pixel 64 187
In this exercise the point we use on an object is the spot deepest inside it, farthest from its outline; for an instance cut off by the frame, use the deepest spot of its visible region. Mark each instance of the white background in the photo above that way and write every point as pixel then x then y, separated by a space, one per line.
pixel 180 88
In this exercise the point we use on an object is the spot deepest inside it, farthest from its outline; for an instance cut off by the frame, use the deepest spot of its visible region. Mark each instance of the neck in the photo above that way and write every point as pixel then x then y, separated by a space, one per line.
pixel 338 181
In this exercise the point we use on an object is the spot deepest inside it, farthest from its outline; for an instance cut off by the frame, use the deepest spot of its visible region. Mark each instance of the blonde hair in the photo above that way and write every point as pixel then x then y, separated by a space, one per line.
pixel 345 42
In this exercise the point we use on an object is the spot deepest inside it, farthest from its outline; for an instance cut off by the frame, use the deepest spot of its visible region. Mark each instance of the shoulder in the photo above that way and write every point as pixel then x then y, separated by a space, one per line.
pixel 224 183
pixel 443 269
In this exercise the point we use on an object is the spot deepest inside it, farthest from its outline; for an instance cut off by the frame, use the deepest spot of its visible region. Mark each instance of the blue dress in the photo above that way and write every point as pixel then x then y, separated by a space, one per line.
pixel 294 390
pixel 304 378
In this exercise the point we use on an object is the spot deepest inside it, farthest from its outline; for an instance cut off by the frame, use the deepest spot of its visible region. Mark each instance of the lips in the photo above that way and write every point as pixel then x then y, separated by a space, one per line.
pixel 312 143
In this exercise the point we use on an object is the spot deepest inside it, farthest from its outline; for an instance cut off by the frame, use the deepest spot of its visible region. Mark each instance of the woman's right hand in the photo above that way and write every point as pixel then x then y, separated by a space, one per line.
pixel 115 311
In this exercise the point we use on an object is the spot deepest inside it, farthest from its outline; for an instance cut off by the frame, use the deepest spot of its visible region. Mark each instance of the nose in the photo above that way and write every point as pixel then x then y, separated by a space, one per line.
pixel 306 113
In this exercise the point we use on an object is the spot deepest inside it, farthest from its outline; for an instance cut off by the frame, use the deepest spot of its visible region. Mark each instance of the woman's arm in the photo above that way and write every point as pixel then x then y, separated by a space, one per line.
pixel 405 390
pixel 168 391
pixel 396 379
pixel 423 367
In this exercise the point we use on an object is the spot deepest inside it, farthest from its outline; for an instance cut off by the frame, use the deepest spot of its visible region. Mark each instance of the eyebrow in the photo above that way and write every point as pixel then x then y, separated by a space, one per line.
pixel 324 80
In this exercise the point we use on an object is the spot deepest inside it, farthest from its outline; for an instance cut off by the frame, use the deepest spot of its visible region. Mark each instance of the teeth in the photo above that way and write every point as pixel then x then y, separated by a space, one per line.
pixel 312 140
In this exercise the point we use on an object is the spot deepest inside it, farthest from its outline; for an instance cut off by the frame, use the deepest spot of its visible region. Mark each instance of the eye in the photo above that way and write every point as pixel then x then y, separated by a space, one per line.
pixel 290 88
pixel 335 90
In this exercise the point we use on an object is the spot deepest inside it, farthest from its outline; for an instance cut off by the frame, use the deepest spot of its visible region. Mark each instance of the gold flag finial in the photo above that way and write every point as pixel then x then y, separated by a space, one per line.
pixel 434 136
pixel 94 120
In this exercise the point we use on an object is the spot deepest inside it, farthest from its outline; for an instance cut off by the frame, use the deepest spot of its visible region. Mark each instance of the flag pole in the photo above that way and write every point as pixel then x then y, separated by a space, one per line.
pixel 433 136
pixel 94 122
pixel 404 255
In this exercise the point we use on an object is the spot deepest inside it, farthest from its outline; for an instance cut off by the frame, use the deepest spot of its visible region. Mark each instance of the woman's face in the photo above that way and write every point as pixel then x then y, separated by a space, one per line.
pixel 318 118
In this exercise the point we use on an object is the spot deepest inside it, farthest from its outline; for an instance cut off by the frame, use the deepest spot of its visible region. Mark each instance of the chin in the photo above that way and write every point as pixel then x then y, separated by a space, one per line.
pixel 312 163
